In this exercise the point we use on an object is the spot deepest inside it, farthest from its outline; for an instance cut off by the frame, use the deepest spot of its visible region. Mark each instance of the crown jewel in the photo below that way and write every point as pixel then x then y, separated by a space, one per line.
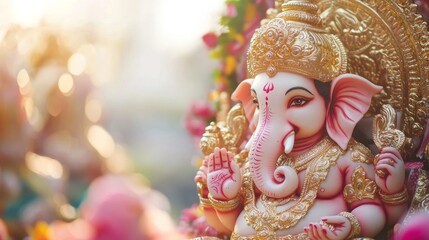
pixel 295 41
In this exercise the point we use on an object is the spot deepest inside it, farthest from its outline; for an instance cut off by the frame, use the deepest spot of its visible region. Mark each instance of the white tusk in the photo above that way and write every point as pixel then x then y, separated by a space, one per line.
pixel 289 142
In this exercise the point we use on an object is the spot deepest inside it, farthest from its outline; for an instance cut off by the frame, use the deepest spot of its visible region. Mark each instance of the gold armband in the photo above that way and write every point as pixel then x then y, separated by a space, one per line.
pixel 394 199
pixel 355 231
pixel 225 206
pixel 205 202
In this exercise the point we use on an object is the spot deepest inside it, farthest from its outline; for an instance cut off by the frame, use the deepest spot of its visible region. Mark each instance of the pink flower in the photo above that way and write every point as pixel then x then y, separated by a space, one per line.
pixel 113 209
pixel 416 227
pixel 234 48
pixel 193 224
pixel 202 109
pixel 210 39
pixel 117 209
pixel 197 118
pixel 202 228
pixel 190 214
pixel 231 11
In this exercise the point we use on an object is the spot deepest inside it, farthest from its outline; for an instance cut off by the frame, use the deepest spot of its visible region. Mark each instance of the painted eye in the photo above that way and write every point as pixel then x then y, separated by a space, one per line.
pixel 298 102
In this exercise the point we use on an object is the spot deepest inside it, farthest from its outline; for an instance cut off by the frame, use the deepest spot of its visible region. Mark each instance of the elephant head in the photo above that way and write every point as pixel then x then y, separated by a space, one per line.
pixel 293 115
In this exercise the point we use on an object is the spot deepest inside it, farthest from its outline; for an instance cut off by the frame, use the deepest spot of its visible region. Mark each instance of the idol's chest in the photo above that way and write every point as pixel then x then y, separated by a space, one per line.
pixel 330 187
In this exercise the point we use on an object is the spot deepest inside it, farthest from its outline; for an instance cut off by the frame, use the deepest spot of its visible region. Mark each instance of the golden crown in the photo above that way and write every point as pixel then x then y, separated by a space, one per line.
pixel 295 41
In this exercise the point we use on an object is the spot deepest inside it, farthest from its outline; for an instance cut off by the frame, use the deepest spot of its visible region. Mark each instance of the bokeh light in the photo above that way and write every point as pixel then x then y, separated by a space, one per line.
pixel 66 84
pixel 77 64
pixel 44 166
pixel 93 108
pixel 101 140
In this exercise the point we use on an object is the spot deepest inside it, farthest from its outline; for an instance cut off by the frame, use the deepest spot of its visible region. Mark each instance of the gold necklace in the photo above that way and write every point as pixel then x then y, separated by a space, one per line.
pixel 302 161
pixel 266 223
pixel 268 201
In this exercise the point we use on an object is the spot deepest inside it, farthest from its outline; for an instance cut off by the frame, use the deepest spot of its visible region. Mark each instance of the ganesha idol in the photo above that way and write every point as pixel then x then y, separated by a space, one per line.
pixel 301 175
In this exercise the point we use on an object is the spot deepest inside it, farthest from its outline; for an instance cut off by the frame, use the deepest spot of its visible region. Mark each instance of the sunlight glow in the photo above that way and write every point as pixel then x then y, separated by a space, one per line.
pixel 29 12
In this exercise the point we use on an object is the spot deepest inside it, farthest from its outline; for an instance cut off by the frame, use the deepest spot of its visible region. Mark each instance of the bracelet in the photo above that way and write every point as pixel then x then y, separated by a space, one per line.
pixel 394 199
pixel 355 231
pixel 225 206
pixel 205 202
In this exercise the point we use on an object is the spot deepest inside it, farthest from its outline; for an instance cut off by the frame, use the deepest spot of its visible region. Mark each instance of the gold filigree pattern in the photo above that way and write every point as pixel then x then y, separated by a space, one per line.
pixel 211 139
pixel 301 236
pixel 355 231
pixel 228 134
pixel 422 192
pixel 303 47
pixel 266 223
pixel 359 152
pixel 360 187
pixel 384 130
pixel 241 158
pixel 235 128
pixel 420 200
pixel 387 42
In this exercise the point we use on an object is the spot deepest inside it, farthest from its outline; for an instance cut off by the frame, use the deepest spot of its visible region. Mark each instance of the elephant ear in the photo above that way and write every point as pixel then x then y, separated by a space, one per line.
pixel 242 94
pixel 349 101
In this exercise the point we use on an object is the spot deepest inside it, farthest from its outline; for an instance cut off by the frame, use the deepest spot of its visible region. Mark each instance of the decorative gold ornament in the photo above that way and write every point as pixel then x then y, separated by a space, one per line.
pixel 228 134
pixel 295 41
pixel 359 152
pixel 384 129
pixel 211 139
pixel 300 236
pixel 420 200
pixel 205 202
pixel 225 206
pixel 394 199
pixel 266 223
pixel 327 225
pixel 385 134
pixel 360 187
pixel 387 42
pixel 355 231
pixel 241 158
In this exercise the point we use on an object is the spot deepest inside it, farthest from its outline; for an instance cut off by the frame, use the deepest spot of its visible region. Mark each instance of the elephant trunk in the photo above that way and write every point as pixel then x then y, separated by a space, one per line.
pixel 265 149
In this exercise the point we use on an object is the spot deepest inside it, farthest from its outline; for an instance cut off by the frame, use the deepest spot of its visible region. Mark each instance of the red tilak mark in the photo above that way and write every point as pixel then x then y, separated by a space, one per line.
pixel 269 86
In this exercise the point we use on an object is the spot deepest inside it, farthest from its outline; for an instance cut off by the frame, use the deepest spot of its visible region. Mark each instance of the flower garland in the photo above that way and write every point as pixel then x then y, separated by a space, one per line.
pixel 239 22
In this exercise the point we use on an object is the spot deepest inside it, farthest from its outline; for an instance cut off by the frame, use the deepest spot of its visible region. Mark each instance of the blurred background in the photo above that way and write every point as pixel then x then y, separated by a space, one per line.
pixel 96 88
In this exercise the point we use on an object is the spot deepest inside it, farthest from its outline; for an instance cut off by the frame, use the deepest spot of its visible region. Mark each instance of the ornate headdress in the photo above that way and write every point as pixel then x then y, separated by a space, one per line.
pixel 295 41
